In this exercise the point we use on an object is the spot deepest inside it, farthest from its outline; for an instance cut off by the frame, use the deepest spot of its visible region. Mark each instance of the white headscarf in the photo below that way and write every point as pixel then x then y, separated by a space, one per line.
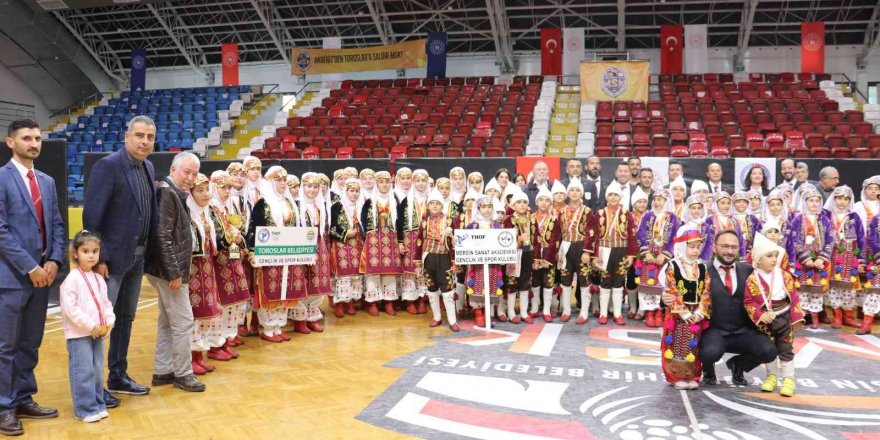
pixel 864 205
pixel 686 215
pixel 668 206
pixel 455 194
pixel 317 202
pixel 225 207
pixel 199 215
pixel 830 204
pixel 399 192
pixel 476 216
pixel 768 216
pixel 352 209
pixel 277 202
pixel 251 188
pixel 386 199
pixel 415 195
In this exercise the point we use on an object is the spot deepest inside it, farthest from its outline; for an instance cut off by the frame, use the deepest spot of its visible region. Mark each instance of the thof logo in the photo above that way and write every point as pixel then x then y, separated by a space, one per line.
pixel 460 238
pixel 303 61
pixel 263 236
pixel 614 81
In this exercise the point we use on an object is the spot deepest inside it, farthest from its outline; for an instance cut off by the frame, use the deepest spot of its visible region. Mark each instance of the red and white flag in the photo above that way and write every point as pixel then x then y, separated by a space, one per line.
pixel 813 47
pixel 229 53
pixel 551 51
pixel 671 48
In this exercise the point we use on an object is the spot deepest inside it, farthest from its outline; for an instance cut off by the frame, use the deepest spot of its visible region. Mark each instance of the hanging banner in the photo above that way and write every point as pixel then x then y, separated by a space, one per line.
pixel 138 69
pixel 407 55
pixel 573 53
pixel 813 47
pixel 230 64
pixel 614 81
pixel 551 51
pixel 436 55
pixel 696 48
pixel 743 167
pixel 671 48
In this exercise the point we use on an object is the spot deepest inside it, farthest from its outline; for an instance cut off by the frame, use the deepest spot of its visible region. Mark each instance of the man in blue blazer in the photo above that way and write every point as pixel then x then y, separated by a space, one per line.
pixel 120 205
pixel 31 251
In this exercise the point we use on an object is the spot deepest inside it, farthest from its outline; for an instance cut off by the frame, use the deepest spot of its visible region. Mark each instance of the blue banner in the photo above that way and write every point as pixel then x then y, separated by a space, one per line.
pixel 138 69
pixel 436 54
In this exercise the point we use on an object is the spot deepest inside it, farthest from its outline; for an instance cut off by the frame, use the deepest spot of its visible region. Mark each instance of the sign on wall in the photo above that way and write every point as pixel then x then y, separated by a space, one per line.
pixel 406 55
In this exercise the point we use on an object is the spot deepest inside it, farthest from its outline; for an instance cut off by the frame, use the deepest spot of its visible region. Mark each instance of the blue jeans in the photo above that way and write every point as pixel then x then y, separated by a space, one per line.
pixel 85 359
pixel 124 291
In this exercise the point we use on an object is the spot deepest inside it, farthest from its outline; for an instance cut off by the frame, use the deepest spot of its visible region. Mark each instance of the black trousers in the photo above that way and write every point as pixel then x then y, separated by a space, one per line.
pixel 752 347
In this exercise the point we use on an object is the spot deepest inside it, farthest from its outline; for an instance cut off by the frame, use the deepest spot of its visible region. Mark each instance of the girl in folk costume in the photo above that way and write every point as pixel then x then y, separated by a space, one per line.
pixel 493 190
pixel 519 275
pixel 450 206
pixel 436 256
pixel 238 176
pixel 613 250
pixel 756 203
pixel 347 244
pixel 772 230
pixel 639 202
pixel 276 288
pixel 810 246
pixel 559 193
pixel 411 209
pixel 847 256
pixel 252 186
pixel 577 223
pixel 678 189
pixel 368 182
pixel 475 182
pixel 545 248
pixel 460 222
pixel 458 179
pixel 776 210
pixel 871 303
pixel 772 302
pixel 233 288
pixel 403 181
pixel 293 186
pixel 337 190
pixel 207 327
pixel 686 277
pixel 720 220
pixel 798 198
pixel 483 219
pixel 380 259
pixel 656 236
pixel 313 212
pixel 748 224
pixel 694 212
pixel 867 209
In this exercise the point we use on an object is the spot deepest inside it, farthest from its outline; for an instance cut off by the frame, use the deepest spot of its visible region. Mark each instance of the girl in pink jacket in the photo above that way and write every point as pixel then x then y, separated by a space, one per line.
pixel 87 316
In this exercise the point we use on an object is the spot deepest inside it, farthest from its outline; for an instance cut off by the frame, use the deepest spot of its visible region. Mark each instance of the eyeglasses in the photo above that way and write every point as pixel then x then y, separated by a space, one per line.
pixel 728 247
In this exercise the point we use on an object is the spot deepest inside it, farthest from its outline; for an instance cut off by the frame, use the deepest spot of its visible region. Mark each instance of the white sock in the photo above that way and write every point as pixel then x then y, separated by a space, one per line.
pixel 617 301
pixel 511 304
pixel 787 369
pixel 604 296
pixel 434 300
pixel 548 300
pixel 566 300
pixel 524 303
pixel 462 296
pixel 502 306
pixel 585 301
pixel 536 299
pixel 449 302
pixel 772 368
pixel 597 304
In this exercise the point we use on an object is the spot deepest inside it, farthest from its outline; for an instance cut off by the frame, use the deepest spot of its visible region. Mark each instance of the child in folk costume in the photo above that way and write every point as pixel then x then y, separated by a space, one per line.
pixel 867 208
pixel 493 189
pixel 368 182
pixel 313 212
pixel 403 180
pixel 380 259
pixel 694 211
pixel 545 248
pixel 559 193
pixel 655 236
pixel 483 218
pixel 810 246
pixel 461 221
pixel 613 249
pixel 475 182
pixel 347 244
pixel 756 203
pixel 238 176
pixel 772 302
pixel 336 186
pixel 686 277
pixel 719 220
pixel 253 167
pixel 410 210
pixel 519 274
pixel 871 303
pixel 847 256
pixel 207 327
pixel 772 230
pixel 276 288
pixel 450 207
pixel 577 224
pixel 435 249
pixel 639 202
pixel 748 223
pixel 458 181
pixel 678 189
pixel 233 288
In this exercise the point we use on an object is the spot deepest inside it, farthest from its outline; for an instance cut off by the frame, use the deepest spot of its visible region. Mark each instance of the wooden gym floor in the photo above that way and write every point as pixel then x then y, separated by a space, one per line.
pixel 310 387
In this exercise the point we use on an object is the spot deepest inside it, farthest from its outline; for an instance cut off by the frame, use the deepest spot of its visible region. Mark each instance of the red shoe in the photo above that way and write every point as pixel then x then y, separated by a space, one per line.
pixel 411 308
pixel 603 320
pixel 849 319
pixel 619 320
pixel 315 326
pixel 502 318
pixel 389 308
pixel 581 320
pixel 631 315
pixel 564 317
pixel 528 320
pixel 207 367
pixel 434 324
pixel 866 325
pixel 814 320
pixel 548 318
pixel 228 350
pixel 515 320
pixel 454 328
pixel 339 310
pixel 266 338
pixel 638 317
pixel 534 315
pixel 595 314
pixel 196 367
pixel 479 320
pixel 351 308
pixel 231 342
pixel 373 309
pixel 301 327
pixel 282 337
pixel 238 341
pixel 242 330
pixel 423 307
pixel 838 318
pixel 218 355
pixel 649 318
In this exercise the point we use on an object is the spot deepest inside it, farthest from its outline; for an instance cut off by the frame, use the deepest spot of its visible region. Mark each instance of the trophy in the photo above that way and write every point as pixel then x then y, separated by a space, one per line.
pixel 235 221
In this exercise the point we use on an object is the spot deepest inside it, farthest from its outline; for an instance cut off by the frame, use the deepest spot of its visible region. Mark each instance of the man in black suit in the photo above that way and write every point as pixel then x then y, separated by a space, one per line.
pixel 714 173
pixel 646 182
pixel 594 175
pixel 788 171
pixel 574 170
pixel 730 329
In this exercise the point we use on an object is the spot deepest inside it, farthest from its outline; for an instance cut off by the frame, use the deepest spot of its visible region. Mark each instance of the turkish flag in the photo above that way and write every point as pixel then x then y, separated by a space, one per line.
pixel 551 51
pixel 813 47
pixel 671 48
pixel 230 64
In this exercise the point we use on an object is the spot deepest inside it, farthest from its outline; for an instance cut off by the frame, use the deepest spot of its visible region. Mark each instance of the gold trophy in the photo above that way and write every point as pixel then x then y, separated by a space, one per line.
pixel 235 221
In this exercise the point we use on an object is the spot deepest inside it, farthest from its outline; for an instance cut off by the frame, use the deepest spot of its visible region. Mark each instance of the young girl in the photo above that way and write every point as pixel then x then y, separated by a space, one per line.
pixel 347 245
pixel 483 219
pixel 368 182
pixel 719 220
pixel 639 201
pixel 656 236
pixel 475 182
pixel 87 316
pixel 678 189
pixel 458 181
pixel 686 277
pixel 810 246
pixel 460 221
pixel 253 167
pixel 410 211
pixel 314 212
pixel 756 203
pixel 871 304
pixel 847 257
pixel 772 303
pixel 435 250
pixel 867 209
pixel 519 275
pixel 380 259
pixel 773 231
pixel 748 224
pixel 293 186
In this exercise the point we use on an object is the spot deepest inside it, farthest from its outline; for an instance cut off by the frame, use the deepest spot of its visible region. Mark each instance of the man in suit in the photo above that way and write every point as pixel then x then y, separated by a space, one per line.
pixel 540 179
pixel 788 170
pixel 31 252
pixel 714 173
pixel 730 329
pixel 646 182
pixel 120 205
pixel 574 170
pixel 594 175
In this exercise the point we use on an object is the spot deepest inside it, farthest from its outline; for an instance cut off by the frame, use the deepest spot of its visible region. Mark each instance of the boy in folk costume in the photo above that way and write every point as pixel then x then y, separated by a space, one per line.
pixel 483 218
pixel 772 302
pixel 577 225
pixel 519 274
pixel 347 244
pixel 207 328
pixel 639 203
pixel 613 249
pixel 458 181
pixel 656 237
pixel 686 277
pixel 748 224
pixel 719 220
pixel 436 258
pixel 276 288
pixel 233 289
pixel 411 209
pixel 403 181
pixel 810 246
pixel 678 189
pixel 313 212
pixel 559 194
pixel 847 256
pixel 380 259
pixel 545 248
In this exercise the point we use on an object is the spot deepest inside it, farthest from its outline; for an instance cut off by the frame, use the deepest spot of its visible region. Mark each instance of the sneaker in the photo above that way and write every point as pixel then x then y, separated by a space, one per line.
pixel 769 384
pixel 91 418
pixel 787 389
pixel 104 414
pixel 189 383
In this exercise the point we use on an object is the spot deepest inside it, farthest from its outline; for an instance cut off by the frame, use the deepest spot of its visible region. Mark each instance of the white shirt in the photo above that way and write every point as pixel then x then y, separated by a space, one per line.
pixel 24 175
pixel 722 273
pixel 715 187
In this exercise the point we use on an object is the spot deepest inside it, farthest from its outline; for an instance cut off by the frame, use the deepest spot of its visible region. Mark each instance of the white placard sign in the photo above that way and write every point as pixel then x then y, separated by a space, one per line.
pixel 485 246
pixel 274 246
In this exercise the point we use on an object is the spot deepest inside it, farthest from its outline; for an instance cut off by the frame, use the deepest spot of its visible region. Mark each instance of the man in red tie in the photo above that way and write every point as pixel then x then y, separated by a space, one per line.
pixel 31 251
pixel 730 329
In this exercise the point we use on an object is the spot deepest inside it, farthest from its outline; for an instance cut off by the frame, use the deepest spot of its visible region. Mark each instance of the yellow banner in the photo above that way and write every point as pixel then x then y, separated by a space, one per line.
pixel 614 81
pixel 407 55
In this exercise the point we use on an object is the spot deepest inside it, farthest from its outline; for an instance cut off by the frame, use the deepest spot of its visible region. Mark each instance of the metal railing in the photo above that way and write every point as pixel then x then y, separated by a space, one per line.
pixel 12 111
pixel 69 110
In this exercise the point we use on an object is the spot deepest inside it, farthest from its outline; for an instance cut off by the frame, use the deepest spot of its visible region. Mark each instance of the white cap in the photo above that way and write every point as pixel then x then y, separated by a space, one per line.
pixel 435 196
pixel 575 183
pixel 558 187
pixel 699 185
pixel 518 196
pixel 679 183
pixel 544 192
pixel 638 194
pixel 613 189
pixel 763 246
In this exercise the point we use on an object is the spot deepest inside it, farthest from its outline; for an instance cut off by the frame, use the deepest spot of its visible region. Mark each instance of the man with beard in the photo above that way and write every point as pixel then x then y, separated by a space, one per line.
pixel 646 182
pixel 574 170
pixel 635 166
pixel 788 170
pixel 621 182
pixel 594 175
